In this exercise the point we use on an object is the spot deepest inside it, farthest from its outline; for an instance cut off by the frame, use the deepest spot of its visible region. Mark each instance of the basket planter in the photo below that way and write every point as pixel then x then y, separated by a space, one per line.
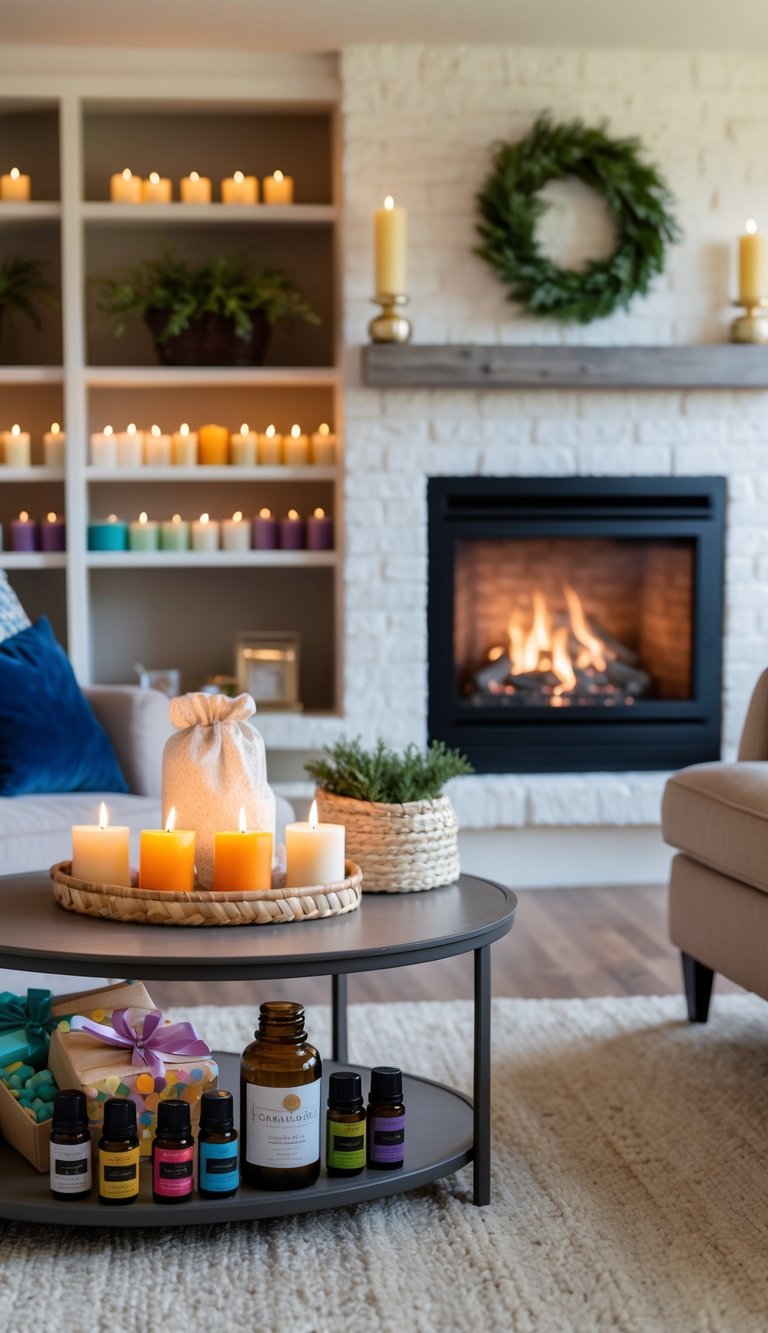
pixel 399 848
pixel 210 341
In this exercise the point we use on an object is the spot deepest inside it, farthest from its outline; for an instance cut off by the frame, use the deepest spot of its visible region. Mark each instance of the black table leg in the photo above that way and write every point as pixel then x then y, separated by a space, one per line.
pixel 481 1183
pixel 339 1017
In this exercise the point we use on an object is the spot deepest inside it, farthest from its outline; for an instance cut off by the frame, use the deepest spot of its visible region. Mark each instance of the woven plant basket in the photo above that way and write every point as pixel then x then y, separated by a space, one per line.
pixel 399 848
pixel 210 341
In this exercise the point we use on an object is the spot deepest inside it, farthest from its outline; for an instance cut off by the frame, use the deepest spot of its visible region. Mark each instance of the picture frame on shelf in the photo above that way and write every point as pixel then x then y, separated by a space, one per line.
pixel 267 667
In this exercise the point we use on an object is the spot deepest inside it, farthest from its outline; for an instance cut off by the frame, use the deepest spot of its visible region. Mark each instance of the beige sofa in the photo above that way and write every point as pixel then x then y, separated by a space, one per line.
pixel 716 815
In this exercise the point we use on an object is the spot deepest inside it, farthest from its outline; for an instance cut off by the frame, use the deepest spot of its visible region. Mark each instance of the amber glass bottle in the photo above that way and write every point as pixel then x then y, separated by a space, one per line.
pixel 280 1083
pixel 70 1155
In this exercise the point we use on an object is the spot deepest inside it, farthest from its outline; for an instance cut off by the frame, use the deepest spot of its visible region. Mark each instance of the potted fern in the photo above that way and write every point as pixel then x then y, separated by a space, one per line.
pixel 22 288
pixel 400 826
pixel 217 311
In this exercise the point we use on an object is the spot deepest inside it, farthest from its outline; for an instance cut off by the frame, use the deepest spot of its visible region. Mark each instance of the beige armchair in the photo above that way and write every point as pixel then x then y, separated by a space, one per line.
pixel 716 815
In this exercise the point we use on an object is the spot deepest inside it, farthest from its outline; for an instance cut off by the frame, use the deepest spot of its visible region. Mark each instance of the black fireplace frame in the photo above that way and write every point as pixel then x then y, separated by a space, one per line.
pixel 653 734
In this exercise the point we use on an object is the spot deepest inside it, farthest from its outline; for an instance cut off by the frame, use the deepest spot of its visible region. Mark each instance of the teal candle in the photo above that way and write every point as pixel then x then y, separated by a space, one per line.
pixel 143 535
pixel 108 535
pixel 174 535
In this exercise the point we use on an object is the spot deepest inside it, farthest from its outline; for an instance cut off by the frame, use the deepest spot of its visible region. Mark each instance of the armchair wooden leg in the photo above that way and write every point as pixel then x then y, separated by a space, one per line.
pixel 698 980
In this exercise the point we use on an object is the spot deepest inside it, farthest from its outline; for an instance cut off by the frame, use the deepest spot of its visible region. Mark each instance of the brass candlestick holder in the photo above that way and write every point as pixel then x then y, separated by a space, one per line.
pixel 753 326
pixel 391 326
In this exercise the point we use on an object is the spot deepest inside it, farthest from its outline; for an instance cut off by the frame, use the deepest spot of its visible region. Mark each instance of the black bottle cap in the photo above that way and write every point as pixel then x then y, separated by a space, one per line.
pixel 119 1118
pixel 173 1119
pixel 386 1085
pixel 345 1091
pixel 217 1111
pixel 70 1112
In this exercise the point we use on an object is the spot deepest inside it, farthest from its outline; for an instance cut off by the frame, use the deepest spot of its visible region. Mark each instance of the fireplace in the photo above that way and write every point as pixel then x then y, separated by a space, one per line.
pixel 575 623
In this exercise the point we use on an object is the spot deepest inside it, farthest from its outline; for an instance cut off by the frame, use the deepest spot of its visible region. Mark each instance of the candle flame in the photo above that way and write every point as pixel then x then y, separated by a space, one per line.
pixel 270 432
pixel 103 816
pixel 244 428
pixel 313 815
pixel 176 518
pixel 107 431
pixel 242 824
pixel 143 516
pixel 194 175
pixel 183 428
pixel 319 513
pixel 23 516
pixel 205 518
pixel 238 178
pixel 131 427
pixel 51 517
pixel 265 513
pixel 751 226
pixel 324 428
pixel 293 514
pixel 170 822
pixel 111 518
pixel 295 432
pixel 15 430
pixel 55 428
pixel 389 203
pixel 156 431
pixel 15 173
pixel 154 177
pixel 278 176
pixel 126 174
pixel 237 517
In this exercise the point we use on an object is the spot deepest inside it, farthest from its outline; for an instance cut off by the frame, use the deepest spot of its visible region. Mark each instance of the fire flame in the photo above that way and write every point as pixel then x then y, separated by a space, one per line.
pixel 542 646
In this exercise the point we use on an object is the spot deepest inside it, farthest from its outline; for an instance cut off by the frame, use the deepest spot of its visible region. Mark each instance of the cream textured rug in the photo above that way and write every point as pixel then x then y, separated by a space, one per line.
pixel 630 1193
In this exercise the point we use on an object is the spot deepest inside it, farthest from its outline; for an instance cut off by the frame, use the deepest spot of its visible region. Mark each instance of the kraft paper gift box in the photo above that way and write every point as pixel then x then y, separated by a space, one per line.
pixel 17 1128
pixel 79 1059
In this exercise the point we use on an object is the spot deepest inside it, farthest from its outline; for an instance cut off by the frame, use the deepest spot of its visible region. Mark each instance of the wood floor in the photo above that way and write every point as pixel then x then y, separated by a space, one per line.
pixel 565 943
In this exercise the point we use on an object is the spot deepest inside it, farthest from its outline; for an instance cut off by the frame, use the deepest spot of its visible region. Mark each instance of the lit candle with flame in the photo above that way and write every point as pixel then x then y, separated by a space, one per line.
pixel 125 188
pixel 236 533
pixel 266 531
pixel 319 531
pixel 167 858
pixel 25 534
pixel 314 852
pixel 184 446
pixel 156 189
pixel 174 535
pixel 143 535
pixel 390 235
pixel 53 535
pixel 101 852
pixel 130 446
pixel 753 265
pixel 53 446
pixel 17 447
pixel 195 189
pixel 296 448
pixel 293 532
pixel 243 445
pixel 242 861
pixel 270 448
pixel 278 188
pixel 205 534
pixel 239 189
pixel 324 446
pixel 157 448
pixel 15 187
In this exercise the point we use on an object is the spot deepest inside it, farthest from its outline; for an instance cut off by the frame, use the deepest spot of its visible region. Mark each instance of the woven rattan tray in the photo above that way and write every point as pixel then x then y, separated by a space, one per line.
pixel 203 908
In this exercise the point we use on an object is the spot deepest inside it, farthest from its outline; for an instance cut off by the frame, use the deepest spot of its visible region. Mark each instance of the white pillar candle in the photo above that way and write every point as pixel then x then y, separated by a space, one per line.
pixel 236 533
pixel 205 534
pixel 100 852
pixel 296 448
pixel 278 189
pixel 324 446
pixel 270 447
pixel 125 188
pixel 195 189
pixel 130 447
pixel 184 446
pixel 104 448
pixel 53 446
pixel 17 447
pixel 239 189
pixel 314 853
pixel 243 444
pixel 15 187
pixel 156 189
pixel 390 240
pixel 157 448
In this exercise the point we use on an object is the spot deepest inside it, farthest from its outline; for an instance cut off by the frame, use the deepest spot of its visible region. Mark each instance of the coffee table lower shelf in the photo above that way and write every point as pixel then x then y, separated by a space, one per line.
pixel 438 1142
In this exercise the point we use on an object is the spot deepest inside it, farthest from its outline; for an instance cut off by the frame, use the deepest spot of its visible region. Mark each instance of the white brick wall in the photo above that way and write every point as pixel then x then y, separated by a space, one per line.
pixel 418 122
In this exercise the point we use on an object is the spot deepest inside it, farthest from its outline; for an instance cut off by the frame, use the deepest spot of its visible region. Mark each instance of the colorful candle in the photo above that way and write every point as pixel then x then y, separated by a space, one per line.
pixel 130 447
pixel 15 187
pixel 167 858
pixel 157 448
pixel 25 533
pixel 143 535
pixel 293 536
pixel 296 448
pixel 753 265
pixel 17 447
pixel 324 446
pixel 319 531
pixel 108 535
pixel 314 852
pixel 53 533
pixel 270 446
pixel 101 852
pixel 278 189
pixel 390 230
pixel 236 533
pixel 184 447
pixel 54 441
pixel 243 445
pixel 125 188
pixel 104 448
pixel 156 189
pixel 174 535
pixel 239 189
pixel 242 861
pixel 195 189
pixel 213 445
pixel 205 534
pixel 266 531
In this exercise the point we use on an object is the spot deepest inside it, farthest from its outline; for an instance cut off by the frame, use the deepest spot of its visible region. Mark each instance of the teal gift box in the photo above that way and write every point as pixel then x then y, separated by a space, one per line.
pixel 26 1023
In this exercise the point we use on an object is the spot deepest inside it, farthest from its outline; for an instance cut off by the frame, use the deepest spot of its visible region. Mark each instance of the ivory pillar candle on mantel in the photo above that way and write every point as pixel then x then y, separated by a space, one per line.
pixel 156 189
pixel 108 534
pixel 101 853
pixel 242 861
pixel 184 447
pixel 296 448
pixel 53 533
pixel 314 853
pixel 54 441
pixel 390 231
pixel 239 189
pixel 753 265
pixel 143 535
pixel 270 448
pixel 213 446
pixel 324 446
pixel 195 189
pixel 167 858
pixel 266 531
pixel 130 447
pixel 243 445
pixel 157 448
pixel 15 187
pixel 17 447
pixel 25 533
pixel 236 533
pixel 125 188
pixel 104 448
pixel 293 536
pixel 174 535
pixel 205 534
pixel 278 189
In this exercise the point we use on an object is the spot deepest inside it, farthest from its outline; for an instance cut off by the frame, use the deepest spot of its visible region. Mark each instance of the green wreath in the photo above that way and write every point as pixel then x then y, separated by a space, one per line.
pixel 510 207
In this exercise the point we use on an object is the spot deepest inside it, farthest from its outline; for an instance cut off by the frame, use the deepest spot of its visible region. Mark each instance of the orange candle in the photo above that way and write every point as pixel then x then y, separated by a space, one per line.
pixel 167 858
pixel 242 861
pixel 213 445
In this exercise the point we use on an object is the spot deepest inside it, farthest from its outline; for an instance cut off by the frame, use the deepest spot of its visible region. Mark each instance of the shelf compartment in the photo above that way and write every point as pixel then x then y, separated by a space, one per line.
pixel 133 560
pixel 29 140
pixel 202 473
pixel 105 214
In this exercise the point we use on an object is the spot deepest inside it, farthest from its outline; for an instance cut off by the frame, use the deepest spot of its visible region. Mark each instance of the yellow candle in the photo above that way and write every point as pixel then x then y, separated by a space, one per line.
pixel 100 852
pixel 324 446
pixel 195 189
pixel 125 188
pixel 156 190
pixel 239 189
pixel 314 852
pixel 15 186
pixel 213 445
pixel 270 446
pixel 390 232
pixel 242 861
pixel 167 858
pixel 296 448
pixel 184 446
pixel 278 189
pixel 753 265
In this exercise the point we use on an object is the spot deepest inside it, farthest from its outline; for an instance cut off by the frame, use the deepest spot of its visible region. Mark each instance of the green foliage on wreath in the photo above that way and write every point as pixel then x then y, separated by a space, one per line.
pixel 511 206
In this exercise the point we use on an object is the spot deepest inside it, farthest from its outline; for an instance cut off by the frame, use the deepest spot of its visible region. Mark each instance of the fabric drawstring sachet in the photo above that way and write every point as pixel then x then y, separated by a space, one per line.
pixel 149 1045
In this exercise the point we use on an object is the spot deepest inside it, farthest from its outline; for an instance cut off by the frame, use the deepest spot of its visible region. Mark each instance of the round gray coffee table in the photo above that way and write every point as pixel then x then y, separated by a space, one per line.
pixel 445 1129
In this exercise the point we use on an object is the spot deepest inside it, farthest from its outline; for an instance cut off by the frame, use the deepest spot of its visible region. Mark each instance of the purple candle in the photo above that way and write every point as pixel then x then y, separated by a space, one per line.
pixel 53 534
pixel 319 532
pixel 25 534
pixel 266 531
pixel 293 532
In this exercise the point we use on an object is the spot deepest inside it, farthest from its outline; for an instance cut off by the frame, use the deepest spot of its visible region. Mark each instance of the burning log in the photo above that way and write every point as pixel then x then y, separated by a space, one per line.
pixel 496 671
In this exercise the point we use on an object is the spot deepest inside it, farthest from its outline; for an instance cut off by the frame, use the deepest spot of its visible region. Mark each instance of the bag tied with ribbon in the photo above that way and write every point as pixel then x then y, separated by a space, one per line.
pixel 26 1024
pixel 148 1044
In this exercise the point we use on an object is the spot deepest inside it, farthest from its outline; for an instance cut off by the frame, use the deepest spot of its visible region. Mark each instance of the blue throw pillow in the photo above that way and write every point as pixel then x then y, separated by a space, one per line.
pixel 50 740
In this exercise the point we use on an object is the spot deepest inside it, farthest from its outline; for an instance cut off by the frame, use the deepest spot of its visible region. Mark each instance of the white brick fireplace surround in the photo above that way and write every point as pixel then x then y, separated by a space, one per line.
pixel 418 122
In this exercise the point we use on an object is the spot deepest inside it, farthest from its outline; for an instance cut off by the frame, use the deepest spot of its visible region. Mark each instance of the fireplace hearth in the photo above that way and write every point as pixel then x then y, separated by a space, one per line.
pixel 575 623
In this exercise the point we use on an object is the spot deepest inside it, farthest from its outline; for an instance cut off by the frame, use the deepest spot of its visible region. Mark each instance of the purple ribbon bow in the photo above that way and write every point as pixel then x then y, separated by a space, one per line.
pixel 150 1045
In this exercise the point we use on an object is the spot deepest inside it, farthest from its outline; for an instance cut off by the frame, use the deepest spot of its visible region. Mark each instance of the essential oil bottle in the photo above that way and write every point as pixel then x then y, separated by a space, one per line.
pixel 386 1119
pixel 71 1169
pixel 345 1125
pixel 218 1174
pixel 119 1153
pixel 280 1082
pixel 173 1153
